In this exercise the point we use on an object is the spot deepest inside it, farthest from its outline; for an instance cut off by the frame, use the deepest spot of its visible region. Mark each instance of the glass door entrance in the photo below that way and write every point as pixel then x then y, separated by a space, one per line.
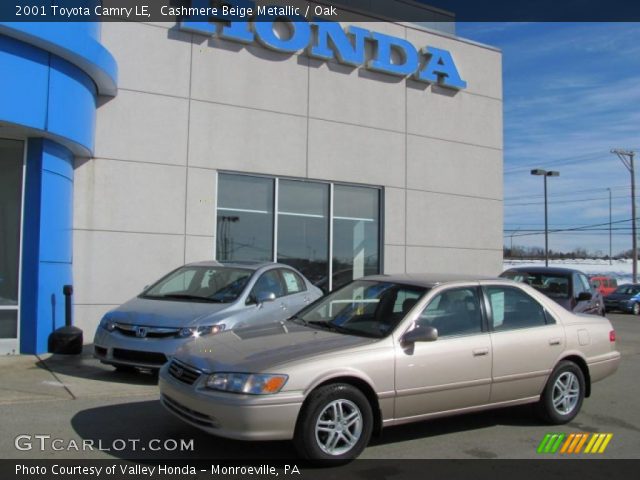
pixel 11 183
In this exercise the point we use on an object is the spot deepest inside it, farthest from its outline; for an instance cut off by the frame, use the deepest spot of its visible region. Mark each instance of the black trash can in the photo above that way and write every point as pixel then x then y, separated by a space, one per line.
pixel 66 340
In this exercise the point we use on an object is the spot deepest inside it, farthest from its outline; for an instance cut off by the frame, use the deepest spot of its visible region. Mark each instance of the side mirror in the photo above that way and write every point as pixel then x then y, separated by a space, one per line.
pixel 584 297
pixel 264 297
pixel 420 334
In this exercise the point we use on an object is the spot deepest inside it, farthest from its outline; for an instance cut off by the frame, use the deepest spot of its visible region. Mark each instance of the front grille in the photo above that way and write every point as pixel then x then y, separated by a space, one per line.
pixel 148 358
pixel 149 332
pixel 189 414
pixel 184 373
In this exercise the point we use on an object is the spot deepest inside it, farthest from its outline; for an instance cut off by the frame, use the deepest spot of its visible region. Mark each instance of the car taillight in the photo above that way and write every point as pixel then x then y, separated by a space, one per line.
pixel 612 336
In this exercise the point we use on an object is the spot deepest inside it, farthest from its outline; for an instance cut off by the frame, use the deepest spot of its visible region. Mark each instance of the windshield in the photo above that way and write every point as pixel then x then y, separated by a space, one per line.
pixel 628 289
pixel 364 308
pixel 554 286
pixel 201 284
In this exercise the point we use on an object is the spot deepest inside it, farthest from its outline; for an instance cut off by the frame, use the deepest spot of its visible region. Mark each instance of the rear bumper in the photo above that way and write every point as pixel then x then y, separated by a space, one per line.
pixel 604 366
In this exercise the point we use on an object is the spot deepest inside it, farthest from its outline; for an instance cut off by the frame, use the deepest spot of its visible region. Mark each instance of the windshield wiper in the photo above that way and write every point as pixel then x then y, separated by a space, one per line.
pixel 340 329
pixel 185 296
pixel 298 319
pixel 330 326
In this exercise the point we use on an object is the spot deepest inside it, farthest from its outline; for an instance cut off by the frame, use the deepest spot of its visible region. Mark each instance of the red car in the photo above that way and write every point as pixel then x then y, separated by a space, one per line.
pixel 605 285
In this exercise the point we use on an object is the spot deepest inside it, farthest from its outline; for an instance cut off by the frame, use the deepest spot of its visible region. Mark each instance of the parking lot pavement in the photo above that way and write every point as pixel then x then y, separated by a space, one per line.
pixel 77 399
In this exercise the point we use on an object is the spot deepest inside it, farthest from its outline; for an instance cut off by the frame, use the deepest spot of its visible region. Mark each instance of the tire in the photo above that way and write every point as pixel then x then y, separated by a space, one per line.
pixel 319 438
pixel 556 407
pixel 635 309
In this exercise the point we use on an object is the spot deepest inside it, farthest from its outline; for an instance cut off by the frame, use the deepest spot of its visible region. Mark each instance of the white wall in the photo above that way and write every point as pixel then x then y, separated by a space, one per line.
pixel 189 105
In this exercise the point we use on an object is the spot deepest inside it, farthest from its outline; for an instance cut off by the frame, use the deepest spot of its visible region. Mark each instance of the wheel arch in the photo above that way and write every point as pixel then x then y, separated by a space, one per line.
pixel 582 364
pixel 357 382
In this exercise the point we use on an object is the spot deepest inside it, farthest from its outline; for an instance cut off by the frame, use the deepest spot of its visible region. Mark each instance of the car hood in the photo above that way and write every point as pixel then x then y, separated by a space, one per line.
pixel 258 348
pixel 165 313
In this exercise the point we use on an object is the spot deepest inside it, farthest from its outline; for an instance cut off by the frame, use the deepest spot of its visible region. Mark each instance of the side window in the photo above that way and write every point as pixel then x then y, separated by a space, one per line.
pixel 614 282
pixel 405 301
pixel 292 282
pixel 581 284
pixel 511 309
pixel 269 282
pixel 585 283
pixel 453 312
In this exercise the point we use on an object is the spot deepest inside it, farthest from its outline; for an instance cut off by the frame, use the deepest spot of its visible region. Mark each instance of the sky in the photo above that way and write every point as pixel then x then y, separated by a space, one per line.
pixel 571 94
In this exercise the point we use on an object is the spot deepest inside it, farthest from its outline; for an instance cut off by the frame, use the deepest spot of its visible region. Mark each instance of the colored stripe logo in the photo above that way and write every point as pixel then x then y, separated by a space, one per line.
pixel 574 443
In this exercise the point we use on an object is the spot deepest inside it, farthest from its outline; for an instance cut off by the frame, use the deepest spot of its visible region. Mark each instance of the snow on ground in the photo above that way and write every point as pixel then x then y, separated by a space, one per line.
pixel 621 270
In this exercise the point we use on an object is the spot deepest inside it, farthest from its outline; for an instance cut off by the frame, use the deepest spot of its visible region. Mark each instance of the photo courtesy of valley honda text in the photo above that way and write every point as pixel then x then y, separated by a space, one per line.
pixel 341 149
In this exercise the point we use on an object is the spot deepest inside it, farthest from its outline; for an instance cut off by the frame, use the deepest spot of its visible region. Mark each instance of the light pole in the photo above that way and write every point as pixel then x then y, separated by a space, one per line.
pixel 622 155
pixel 545 174
pixel 610 260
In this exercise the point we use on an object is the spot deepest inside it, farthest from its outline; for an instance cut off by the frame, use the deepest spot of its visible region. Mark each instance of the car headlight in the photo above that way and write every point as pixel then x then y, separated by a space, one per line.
pixel 201 330
pixel 252 383
pixel 108 325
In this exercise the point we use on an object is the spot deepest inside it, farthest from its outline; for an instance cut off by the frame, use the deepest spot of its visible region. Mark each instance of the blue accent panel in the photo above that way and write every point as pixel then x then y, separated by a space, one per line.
pixel 47 94
pixel 31 248
pixel 47 242
pixel 72 103
pixel 76 42
pixel 24 84
pixel 56 222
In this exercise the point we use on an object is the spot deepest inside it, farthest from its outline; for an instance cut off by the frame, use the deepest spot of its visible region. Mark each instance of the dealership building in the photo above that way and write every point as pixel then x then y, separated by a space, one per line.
pixel 128 149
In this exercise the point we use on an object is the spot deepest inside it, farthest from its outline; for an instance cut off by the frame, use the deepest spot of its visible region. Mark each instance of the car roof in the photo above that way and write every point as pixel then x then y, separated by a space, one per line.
pixel 429 280
pixel 247 264
pixel 549 270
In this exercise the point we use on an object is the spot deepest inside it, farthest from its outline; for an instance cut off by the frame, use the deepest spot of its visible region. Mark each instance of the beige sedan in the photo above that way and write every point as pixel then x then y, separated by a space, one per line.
pixel 387 350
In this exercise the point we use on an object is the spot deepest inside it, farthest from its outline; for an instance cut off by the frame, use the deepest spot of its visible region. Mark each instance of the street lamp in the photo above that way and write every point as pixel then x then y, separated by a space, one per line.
pixel 545 174
pixel 627 156
pixel 610 249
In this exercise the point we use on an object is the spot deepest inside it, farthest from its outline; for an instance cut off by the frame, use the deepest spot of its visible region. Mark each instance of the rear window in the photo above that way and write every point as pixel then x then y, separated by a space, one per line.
pixel 554 286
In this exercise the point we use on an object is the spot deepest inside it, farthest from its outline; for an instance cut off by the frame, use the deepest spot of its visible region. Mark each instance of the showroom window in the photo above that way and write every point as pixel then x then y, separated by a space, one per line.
pixel 245 218
pixel 330 232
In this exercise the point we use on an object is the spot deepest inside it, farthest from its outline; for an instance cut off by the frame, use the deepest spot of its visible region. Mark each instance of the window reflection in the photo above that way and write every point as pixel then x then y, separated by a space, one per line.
pixel 245 218
pixel 245 226
pixel 303 227
pixel 355 233
pixel 10 212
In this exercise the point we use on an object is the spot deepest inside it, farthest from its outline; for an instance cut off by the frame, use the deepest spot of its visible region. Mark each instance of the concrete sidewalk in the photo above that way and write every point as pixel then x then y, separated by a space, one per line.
pixel 42 378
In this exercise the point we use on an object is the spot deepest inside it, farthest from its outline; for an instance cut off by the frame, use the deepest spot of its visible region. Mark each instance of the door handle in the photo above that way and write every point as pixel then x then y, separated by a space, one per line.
pixel 554 341
pixel 480 352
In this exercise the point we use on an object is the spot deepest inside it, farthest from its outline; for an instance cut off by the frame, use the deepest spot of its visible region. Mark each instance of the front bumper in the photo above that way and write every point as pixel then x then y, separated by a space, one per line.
pixel 231 415
pixel 115 348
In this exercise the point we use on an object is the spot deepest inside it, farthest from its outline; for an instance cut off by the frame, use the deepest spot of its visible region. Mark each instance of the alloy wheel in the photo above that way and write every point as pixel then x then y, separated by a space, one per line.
pixel 566 393
pixel 339 427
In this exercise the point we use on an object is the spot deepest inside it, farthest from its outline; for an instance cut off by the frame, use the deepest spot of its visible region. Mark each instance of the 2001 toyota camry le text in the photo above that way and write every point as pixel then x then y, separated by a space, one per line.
pixel 386 350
